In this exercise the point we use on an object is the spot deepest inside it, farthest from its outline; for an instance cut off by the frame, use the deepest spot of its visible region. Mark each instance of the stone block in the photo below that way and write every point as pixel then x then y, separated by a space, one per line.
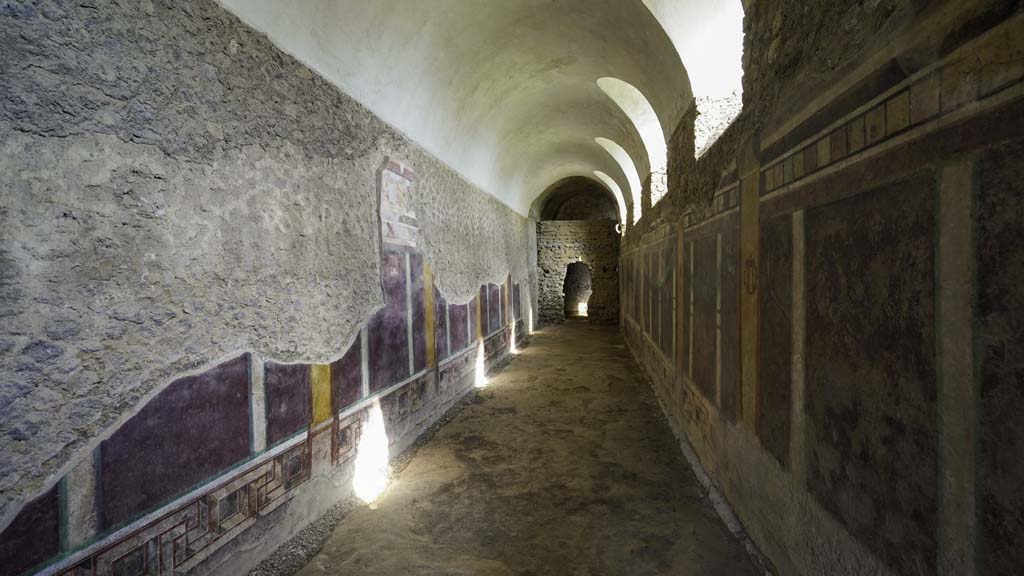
pixel 874 124
pixel 924 99
pixel 897 113
pixel 837 144
pixel 824 152
pixel 855 134
pixel 1000 361
pixel 775 286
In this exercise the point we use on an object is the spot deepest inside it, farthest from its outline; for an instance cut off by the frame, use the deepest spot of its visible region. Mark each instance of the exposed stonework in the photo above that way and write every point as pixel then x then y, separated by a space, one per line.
pixel 592 242
pixel 175 190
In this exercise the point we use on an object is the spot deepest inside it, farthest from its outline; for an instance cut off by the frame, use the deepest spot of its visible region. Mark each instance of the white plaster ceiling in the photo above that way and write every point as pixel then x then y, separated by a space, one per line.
pixel 503 91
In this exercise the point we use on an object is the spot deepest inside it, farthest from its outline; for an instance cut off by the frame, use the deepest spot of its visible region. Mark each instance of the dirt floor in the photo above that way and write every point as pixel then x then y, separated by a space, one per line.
pixel 563 466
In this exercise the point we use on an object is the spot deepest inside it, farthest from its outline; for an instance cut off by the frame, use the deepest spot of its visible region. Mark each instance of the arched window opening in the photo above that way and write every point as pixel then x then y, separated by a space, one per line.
pixel 708 35
pixel 577 289
pixel 641 113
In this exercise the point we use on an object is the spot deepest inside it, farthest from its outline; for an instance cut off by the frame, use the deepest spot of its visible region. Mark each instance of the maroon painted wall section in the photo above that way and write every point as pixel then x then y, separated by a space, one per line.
pixel 33 536
pixel 705 264
pixel 775 336
pixel 194 429
pixel 388 335
pixel 289 399
pixel 494 306
pixel 419 313
pixel 473 312
pixel 347 377
pixel 870 372
pixel 1000 346
pixel 460 328
pixel 687 308
pixel 441 346
pixel 517 304
pixel 730 384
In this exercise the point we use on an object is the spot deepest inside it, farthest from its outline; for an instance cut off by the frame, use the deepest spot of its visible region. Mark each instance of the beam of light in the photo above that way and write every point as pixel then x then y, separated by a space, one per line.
pixel 480 380
pixel 512 341
pixel 371 466
pixel 529 326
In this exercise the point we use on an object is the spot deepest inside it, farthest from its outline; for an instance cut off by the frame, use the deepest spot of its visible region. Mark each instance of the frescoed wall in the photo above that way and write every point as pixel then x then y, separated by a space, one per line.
pixel 828 320
pixel 212 454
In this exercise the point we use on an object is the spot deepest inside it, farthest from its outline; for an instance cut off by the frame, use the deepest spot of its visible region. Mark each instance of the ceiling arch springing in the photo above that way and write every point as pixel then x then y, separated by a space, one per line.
pixel 616 191
pixel 629 170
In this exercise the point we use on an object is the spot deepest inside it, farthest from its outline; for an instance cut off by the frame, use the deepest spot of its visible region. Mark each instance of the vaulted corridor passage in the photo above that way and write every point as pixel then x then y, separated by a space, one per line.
pixel 254 253
pixel 563 464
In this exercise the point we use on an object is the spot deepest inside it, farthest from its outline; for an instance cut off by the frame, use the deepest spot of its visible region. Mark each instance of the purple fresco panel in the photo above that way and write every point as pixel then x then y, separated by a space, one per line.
pixel 517 304
pixel 686 307
pixel 289 399
pixel 473 311
pixel 419 313
pixel 347 377
pixel 705 294
pixel 648 279
pixel 440 326
pixel 33 536
pixel 494 307
pixel 460 330
pixel 485 310
pixel 194 429
pixel 502 300
pixel 388 345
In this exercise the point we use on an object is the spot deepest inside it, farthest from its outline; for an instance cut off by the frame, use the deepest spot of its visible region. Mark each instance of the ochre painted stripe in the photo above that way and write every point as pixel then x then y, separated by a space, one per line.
pixel 428 298
pixel 320 377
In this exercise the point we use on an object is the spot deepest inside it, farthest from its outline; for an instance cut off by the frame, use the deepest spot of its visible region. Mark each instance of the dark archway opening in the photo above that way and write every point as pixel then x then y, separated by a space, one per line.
pixel 577 289
pixel 578 198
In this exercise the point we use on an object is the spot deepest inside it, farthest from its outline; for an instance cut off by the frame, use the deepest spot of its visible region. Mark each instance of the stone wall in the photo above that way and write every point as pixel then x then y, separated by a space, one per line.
pixel 592 242
pixel 189 222
pixel 803 301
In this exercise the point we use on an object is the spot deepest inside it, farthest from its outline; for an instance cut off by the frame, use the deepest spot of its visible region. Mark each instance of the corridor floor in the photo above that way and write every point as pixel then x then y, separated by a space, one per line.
pixel 562 466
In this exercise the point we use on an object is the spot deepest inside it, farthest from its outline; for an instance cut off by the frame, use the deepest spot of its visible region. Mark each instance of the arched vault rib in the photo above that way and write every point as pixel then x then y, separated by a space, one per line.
pixel 636 106
pixel 616 191
pixel 630 171
pixel 469 81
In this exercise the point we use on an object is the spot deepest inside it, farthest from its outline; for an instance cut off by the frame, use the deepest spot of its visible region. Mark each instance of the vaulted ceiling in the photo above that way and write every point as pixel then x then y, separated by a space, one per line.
pixel 507 92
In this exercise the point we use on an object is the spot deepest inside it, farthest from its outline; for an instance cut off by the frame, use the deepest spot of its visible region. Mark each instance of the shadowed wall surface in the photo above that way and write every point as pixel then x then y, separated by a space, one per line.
pixel 838 355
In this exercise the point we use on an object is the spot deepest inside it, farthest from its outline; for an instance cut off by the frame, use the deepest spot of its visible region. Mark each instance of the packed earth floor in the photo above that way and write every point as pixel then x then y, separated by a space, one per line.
pixel 562 465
